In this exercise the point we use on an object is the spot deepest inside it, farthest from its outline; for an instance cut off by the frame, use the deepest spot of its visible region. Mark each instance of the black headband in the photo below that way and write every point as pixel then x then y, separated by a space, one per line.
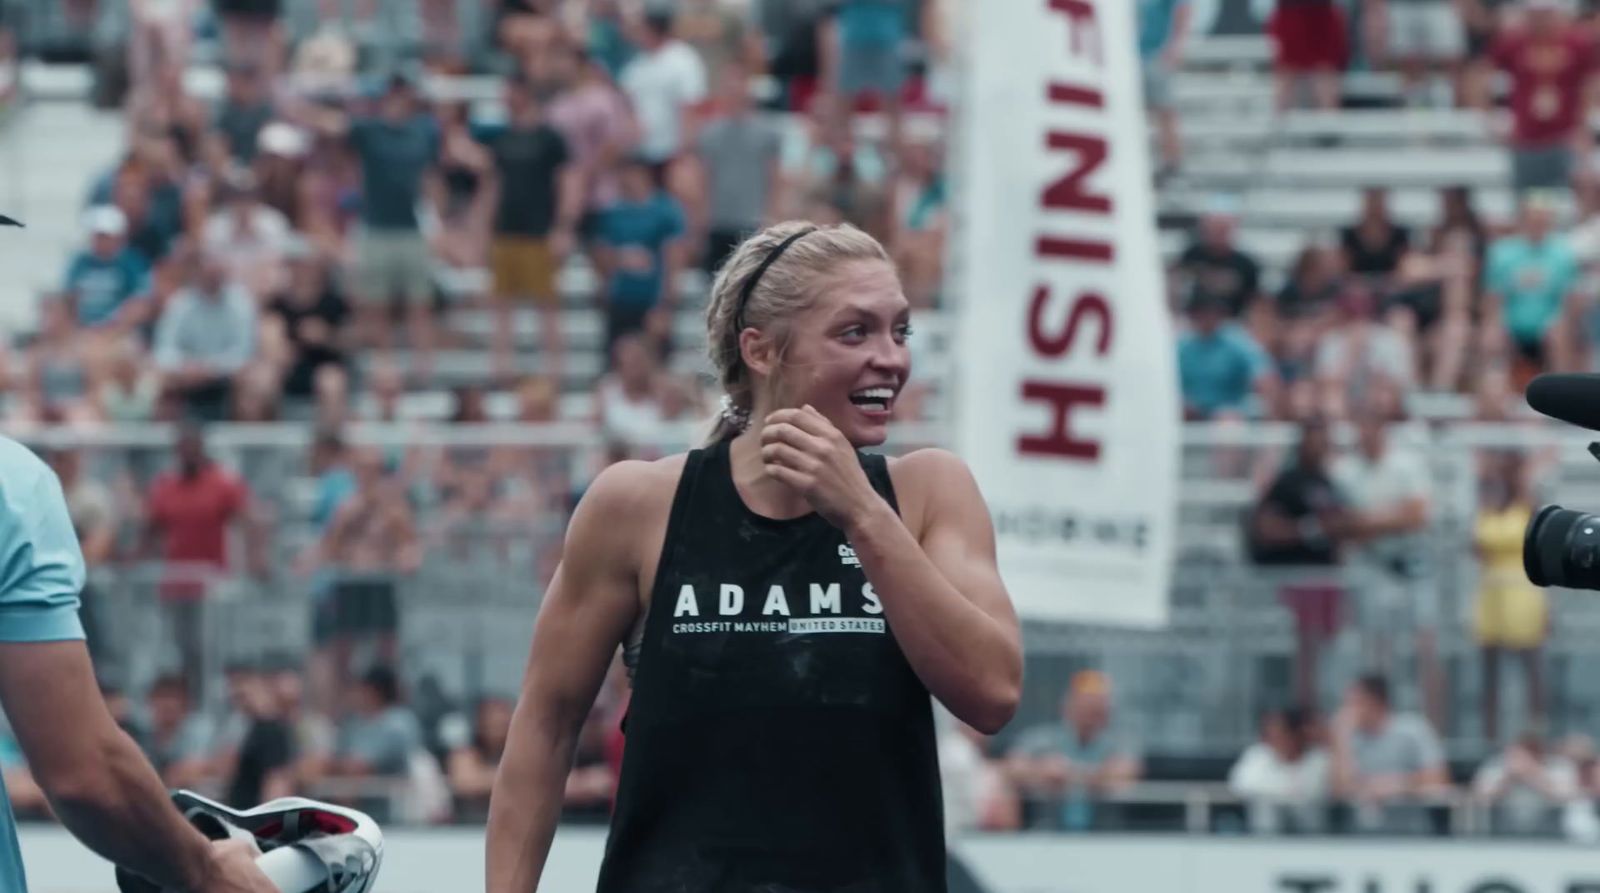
pixel 755 278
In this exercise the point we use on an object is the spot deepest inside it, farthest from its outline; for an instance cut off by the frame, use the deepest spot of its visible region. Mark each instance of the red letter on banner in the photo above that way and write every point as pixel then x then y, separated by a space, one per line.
pixel 1054 345
pixel 1070 193
pixel 1085 30
pixel 1059 442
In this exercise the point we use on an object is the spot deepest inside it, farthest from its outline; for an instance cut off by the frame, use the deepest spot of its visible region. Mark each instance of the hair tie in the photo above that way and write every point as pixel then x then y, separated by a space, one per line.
pixel 733 414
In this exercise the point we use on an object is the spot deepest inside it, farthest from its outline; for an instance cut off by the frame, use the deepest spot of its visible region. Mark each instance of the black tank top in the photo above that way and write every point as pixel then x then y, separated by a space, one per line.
pixel 777 739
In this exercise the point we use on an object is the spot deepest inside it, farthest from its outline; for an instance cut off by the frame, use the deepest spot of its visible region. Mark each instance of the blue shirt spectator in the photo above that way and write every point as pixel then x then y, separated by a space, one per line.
pixel 211 325
pixel 637 232
pixel 872 23
pixel 1531 272
pixel 396 149
pixel 108 275
pixel 41 574
pixel 1155 25
pixel 1220 366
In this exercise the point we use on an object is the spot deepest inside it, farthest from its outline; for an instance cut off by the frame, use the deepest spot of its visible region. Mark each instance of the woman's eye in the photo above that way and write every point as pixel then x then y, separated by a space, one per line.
pixel 902 332
pixel 853 333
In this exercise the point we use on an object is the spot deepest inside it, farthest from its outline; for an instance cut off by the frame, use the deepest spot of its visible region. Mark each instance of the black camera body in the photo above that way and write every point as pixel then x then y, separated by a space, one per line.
pixel 1562 546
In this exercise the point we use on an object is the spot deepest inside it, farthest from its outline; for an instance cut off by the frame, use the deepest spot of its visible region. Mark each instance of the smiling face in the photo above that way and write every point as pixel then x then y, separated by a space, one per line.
pixel 846 354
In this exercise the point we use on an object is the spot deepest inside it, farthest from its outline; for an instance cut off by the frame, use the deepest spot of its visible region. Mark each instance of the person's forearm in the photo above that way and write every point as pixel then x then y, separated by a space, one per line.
pixel 119 809
pixel 524 807
pixel 964 656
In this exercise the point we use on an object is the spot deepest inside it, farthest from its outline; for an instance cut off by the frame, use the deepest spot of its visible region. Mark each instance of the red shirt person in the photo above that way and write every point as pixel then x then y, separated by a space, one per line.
pixel 1550 63
pixel 190 511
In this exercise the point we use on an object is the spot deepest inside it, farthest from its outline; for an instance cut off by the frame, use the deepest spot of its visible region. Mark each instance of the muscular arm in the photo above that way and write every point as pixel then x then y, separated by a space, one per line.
pixel 942 592
pixel 98 783
pixel 587 611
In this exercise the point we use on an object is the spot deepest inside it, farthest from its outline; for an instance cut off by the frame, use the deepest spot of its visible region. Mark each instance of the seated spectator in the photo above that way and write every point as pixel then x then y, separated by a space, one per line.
pixel 641 252
pixel 257 395
pixel 130 389
pixel 179 740
pixel 1549 63
pixel 1385 764
pixel 919 223
pixel 248 237
pixel 1374 245
pixel 92 508
pixel 1530 286
pixel 739 150
pixel 1298 524
pixel 1284 776
pixel 105 281
pixel 150 205
pixel 1526 787
pixel 1225 374
pixel 1069 764
pixel 306 320
pixel 379 736
pixel 1216 268
pixel 280 171
pixel 60 366
pixel 1302 310
pixel 1310 45
pixel 472 762
pixel 311 733
pixel 592 783
pixel 262 764
pixel 204 338
pixel 1358 355
pixel 628 400
pixel 1511 615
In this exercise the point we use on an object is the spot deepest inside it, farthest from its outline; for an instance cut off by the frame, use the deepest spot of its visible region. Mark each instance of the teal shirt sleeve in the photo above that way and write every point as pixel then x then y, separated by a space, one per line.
pixel 41 565
pixel 1494 269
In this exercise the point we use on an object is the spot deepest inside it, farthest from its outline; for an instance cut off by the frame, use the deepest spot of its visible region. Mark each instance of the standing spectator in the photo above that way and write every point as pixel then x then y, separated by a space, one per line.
pixel 594 119
pixel 863 49
pixel 540 202
pixel 368 545
pixel 629 399
pixel 398 151
pixel 1421 37
pixel 1216 266
pixel 1384 762
pixel 131 389
pixel 1374 245
pixel 248 236
pixel 1510 615
pixel 251 32
pixel 739 151
pixel 1358 356
pixel 1297 524
pixel 105 281
pixel 1283 776
pixel 1310 46
pixel 665 81
pixel 204 338
pixel 1550 64
pixel 246 109
pixel 178 738
pixel 474 758
pixel 641 254
pixel 788 33
pixel 306 321
pixel 1530 282
pixel 1163 30
pixel 1078 759
pixel 1388 490
pixel 190 512
pixel 1225 375
pixel 1526 788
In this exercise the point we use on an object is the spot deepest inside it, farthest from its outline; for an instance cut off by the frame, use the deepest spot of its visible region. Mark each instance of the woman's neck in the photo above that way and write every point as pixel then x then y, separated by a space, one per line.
pixel 763 494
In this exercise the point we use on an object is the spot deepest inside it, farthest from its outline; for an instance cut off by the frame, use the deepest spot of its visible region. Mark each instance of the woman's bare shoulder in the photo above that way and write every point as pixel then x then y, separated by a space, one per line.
pixel 633 489
pixel 923 477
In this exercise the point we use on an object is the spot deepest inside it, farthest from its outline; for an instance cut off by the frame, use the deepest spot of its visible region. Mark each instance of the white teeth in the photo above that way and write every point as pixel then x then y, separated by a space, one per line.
pixel 875 393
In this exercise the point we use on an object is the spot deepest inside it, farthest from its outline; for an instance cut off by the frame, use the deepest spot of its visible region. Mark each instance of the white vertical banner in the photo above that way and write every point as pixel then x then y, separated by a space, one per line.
pixel 1066 388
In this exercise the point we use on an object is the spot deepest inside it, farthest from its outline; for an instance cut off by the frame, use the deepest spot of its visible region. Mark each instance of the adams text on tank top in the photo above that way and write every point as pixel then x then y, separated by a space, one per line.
pixel 777 739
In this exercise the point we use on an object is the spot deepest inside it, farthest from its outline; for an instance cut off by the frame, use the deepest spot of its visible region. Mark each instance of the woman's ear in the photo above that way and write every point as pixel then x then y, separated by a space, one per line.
pixel 759 353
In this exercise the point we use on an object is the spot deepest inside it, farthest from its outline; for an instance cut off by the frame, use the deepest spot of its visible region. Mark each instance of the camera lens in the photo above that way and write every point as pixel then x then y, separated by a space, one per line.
pixel 1562 548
